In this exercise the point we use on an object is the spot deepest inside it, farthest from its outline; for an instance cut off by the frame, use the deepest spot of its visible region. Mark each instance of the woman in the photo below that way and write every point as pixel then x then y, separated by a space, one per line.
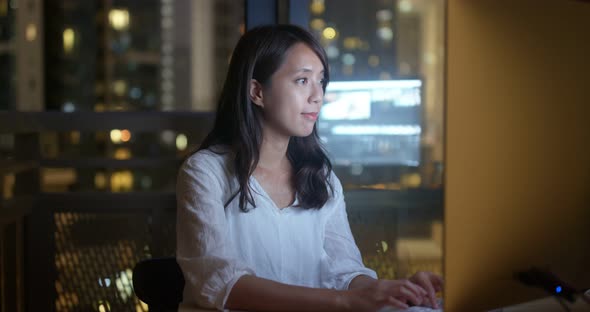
pixel 261 219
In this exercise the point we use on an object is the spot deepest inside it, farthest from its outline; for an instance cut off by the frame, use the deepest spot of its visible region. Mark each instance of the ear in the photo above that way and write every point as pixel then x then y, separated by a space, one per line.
pixel 255 92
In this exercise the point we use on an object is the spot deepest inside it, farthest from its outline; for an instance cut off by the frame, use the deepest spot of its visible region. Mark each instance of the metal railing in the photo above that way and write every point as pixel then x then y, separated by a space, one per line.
pixel 27 229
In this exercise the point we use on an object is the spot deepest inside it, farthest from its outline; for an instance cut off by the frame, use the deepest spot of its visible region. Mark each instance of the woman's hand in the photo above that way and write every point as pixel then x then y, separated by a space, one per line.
pixel 430 282
pixel 381 293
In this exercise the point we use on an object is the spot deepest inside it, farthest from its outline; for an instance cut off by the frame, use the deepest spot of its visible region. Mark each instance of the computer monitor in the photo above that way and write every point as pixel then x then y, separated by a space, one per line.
pixel 517 150
pixel 373 123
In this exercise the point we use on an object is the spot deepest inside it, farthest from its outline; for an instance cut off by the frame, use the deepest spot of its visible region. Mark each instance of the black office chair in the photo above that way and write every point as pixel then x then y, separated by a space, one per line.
pixel 159 283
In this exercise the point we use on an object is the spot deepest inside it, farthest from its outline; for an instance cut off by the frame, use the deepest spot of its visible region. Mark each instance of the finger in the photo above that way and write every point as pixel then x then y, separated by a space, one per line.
pixel 411 296
pixel 421 279
pixel 431 293
pixel 428 280
pixel 417 289
pixel 433 302
pixel 438 282
pixel 398 303
pixel 431 298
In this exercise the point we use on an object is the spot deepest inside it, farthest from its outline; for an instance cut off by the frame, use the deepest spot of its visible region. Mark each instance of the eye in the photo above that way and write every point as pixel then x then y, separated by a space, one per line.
pixel 301 81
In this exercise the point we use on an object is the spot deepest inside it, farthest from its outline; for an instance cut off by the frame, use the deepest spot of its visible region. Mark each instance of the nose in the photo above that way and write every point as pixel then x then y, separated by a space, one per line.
pixel 317 94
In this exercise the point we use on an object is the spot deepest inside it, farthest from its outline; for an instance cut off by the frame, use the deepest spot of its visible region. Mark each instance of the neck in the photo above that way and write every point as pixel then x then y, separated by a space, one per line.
pixel 273 153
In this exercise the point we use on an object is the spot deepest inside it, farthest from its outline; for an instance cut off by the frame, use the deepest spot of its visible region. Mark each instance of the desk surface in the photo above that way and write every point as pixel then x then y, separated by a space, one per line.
pixel 548 304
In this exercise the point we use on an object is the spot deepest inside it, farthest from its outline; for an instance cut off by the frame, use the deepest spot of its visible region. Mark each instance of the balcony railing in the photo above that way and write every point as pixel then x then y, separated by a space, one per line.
pixel 38 229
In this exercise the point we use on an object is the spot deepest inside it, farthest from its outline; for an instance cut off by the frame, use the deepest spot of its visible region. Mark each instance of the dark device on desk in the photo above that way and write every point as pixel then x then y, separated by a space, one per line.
pixel 548 281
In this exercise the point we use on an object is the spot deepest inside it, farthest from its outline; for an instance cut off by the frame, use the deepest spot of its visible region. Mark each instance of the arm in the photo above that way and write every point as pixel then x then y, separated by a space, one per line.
pixel 252 293
pixel 347 271
pixel 204 252
pixel 361 281
pixel 257 294
pixel 344 263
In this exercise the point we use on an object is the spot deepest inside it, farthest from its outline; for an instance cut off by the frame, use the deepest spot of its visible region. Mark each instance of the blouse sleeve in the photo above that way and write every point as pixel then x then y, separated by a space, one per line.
pixel 204 251
pixel 344 261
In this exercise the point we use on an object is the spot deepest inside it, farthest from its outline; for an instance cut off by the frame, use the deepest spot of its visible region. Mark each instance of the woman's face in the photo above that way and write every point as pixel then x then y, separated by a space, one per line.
pixel 292 98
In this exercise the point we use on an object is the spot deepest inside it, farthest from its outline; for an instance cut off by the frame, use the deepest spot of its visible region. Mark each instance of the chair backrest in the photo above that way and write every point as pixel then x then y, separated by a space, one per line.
pixel 158 282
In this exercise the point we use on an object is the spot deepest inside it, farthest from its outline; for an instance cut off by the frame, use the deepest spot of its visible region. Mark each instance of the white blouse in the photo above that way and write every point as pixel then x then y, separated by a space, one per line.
pixel 216 245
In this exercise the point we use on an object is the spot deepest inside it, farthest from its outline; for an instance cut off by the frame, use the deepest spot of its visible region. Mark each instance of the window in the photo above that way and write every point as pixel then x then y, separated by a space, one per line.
pixel 382 125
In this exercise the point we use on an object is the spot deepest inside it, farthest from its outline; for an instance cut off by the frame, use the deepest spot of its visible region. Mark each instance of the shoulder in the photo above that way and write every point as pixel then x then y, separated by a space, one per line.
pixel 214 157
pixel 214 162
pixel 336 203
pixel 336 184
pixel 335 194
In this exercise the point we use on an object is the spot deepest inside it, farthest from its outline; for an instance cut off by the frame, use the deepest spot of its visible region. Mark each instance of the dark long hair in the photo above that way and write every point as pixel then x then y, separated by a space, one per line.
pixel 258 55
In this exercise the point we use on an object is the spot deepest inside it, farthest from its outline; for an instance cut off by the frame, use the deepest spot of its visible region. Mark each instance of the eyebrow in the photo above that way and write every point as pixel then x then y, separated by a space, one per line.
pixel 307 70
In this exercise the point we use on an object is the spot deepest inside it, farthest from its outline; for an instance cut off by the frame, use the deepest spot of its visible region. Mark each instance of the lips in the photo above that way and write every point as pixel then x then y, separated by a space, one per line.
pixel 310 116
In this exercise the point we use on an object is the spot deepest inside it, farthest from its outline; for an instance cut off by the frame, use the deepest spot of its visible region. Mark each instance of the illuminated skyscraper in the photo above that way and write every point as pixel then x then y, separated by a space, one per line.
pixel 102 55
pixel 7 74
